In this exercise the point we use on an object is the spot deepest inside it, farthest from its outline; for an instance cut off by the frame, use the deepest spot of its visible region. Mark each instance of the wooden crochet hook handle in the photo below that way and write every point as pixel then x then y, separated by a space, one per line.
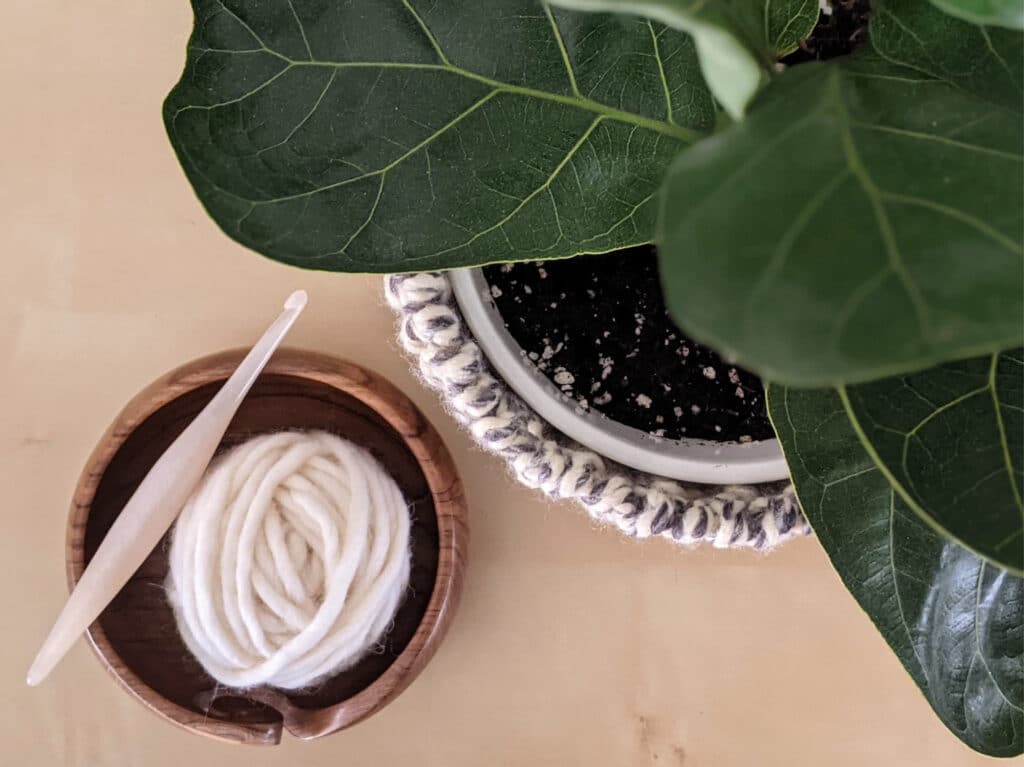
pixel 159 498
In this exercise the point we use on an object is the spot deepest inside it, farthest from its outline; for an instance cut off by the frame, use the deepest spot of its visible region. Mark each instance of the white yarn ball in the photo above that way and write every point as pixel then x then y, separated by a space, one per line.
pixel 289 560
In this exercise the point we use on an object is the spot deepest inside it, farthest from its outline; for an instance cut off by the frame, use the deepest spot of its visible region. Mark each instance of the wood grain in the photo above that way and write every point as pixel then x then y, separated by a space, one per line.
pixel 136 637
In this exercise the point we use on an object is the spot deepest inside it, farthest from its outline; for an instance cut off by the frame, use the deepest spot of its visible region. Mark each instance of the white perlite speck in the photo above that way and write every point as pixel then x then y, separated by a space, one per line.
pixel 643 400
pixel 564 378
pixel 550 351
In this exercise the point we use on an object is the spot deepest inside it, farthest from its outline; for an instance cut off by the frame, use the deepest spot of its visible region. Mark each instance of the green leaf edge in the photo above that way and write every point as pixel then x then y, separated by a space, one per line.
pixel 917 686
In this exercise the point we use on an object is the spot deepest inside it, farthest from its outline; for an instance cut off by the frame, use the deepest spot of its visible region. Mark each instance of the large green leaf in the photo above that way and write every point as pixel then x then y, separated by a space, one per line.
pixel 738 41
pixel 955 622
pixel 950 440
pixel 866 218
pixel 1004 13
pixel 391 135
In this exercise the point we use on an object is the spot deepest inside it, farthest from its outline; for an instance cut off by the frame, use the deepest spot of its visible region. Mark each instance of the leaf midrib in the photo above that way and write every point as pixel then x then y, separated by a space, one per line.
pixel 601 111
pixel 579 101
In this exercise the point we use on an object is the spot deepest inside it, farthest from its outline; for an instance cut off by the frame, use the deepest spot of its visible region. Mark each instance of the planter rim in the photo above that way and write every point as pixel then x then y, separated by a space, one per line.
pixel 682 459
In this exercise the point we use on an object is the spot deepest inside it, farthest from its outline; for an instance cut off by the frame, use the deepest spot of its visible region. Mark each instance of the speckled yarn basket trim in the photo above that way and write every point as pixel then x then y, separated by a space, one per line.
pixel 434 334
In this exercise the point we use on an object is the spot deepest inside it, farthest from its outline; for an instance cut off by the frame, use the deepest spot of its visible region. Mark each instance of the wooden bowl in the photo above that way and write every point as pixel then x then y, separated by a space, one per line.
pixel 136 637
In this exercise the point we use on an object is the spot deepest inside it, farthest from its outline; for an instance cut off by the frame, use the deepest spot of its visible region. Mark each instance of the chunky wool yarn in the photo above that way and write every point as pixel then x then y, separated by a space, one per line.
pixel 289 560
pixel 434 334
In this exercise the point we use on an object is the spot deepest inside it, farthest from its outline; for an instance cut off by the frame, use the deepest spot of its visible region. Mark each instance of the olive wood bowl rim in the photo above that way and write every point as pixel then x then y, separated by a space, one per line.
pixel 450 509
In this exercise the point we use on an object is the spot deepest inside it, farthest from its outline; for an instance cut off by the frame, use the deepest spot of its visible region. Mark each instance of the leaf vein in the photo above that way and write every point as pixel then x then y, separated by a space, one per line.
pixel 977 641
pixel 543 187
pixel 938 139
pixel 401 158
pixel 661 72
pixel 244 23
pixel 426 31
pixel 1004 442
pixel 560 42
pixel 366 222
pixel 785 244
pixel 302 29
pixel 959 215
pixel 896 587
pixel 304 120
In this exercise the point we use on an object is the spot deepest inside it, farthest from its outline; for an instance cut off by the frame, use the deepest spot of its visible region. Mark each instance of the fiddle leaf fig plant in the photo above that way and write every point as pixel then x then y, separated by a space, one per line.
pixel 850 229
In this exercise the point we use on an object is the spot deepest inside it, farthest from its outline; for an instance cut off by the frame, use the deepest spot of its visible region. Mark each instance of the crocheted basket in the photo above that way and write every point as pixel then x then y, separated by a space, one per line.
pixel 433 332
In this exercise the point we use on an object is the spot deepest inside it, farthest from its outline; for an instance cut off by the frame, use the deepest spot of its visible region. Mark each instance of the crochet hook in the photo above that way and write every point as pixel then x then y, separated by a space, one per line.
pixel 158 499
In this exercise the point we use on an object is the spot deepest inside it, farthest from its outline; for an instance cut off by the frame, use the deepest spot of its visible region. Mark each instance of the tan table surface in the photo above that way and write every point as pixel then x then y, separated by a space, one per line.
pixel 573 645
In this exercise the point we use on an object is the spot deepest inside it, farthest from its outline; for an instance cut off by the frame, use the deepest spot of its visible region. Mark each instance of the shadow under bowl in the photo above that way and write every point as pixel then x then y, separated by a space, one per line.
pixel 136 636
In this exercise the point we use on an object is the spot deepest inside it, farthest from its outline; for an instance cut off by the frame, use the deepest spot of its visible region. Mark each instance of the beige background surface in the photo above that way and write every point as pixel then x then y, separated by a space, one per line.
pixel 573 646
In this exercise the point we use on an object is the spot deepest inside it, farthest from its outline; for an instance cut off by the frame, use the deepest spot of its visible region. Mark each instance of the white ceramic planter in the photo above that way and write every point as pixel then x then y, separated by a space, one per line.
pixel 690 460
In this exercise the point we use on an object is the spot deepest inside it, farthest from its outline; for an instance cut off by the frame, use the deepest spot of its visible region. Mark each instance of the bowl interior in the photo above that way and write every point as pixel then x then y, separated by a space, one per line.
pixel 139 625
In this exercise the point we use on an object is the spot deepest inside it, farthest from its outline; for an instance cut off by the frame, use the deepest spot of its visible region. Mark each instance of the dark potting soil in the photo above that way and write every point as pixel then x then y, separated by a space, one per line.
pixel 598 329
pixel 836 34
